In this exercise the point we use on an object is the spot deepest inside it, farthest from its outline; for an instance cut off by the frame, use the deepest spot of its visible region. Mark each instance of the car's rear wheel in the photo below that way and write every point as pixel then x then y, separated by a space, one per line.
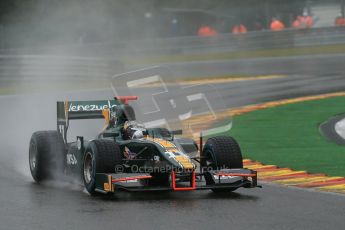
pixel 101 156
pixel 221 153
pixel 46 155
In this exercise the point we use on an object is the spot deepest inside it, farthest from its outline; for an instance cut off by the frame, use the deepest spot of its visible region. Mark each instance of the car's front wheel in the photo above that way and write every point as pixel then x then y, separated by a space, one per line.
pixel 221 153
pixel 101 156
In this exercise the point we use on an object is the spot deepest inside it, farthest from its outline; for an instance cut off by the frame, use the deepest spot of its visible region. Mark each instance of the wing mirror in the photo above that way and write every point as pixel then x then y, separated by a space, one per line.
pixel 176 132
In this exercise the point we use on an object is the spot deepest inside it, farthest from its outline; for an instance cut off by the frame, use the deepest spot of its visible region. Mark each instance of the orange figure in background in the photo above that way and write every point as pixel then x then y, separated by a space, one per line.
pixel 207 31
pixel 296 24
pixel 339 21
pixel 306 21
pixel 277 25
pixel 239 29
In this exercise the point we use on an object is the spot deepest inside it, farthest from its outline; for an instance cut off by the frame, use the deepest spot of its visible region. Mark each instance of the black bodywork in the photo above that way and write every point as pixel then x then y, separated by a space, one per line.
pixel 161 161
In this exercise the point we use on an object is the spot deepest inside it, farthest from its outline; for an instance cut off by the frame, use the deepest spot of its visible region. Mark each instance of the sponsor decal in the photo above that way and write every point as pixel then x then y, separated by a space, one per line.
pixel 89 107
pixel 156 158
pixel 224 177
pixel 106 187
pixel 170 154
pixel 129 154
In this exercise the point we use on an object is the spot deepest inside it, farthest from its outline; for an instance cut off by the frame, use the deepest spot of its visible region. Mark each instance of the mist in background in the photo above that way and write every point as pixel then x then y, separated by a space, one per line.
pixel 34 23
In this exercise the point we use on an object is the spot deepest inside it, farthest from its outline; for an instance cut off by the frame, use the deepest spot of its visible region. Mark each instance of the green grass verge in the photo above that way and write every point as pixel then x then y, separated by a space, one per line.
pixel 288 136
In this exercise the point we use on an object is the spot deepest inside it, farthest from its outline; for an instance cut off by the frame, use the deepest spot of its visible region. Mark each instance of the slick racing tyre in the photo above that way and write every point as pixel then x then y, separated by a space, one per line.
pixel 46 155
pixel 101 156
pixel 221 153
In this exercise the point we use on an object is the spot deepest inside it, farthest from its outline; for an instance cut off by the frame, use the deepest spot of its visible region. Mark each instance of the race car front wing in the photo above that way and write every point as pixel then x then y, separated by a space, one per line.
pixel 230 179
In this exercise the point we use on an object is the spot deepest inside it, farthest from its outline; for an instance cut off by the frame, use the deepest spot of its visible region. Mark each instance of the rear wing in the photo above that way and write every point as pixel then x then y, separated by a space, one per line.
pixel 76 110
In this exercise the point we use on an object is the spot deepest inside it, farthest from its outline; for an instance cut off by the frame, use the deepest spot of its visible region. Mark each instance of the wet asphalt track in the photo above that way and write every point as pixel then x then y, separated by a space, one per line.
pixel 25 205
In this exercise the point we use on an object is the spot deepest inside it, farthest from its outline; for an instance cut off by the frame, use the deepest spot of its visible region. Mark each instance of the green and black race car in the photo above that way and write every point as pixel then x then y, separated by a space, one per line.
pixel 126 156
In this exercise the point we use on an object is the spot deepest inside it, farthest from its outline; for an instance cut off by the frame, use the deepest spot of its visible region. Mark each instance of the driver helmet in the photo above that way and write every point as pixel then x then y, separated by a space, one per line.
pixel 138 134
pixel 133 130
